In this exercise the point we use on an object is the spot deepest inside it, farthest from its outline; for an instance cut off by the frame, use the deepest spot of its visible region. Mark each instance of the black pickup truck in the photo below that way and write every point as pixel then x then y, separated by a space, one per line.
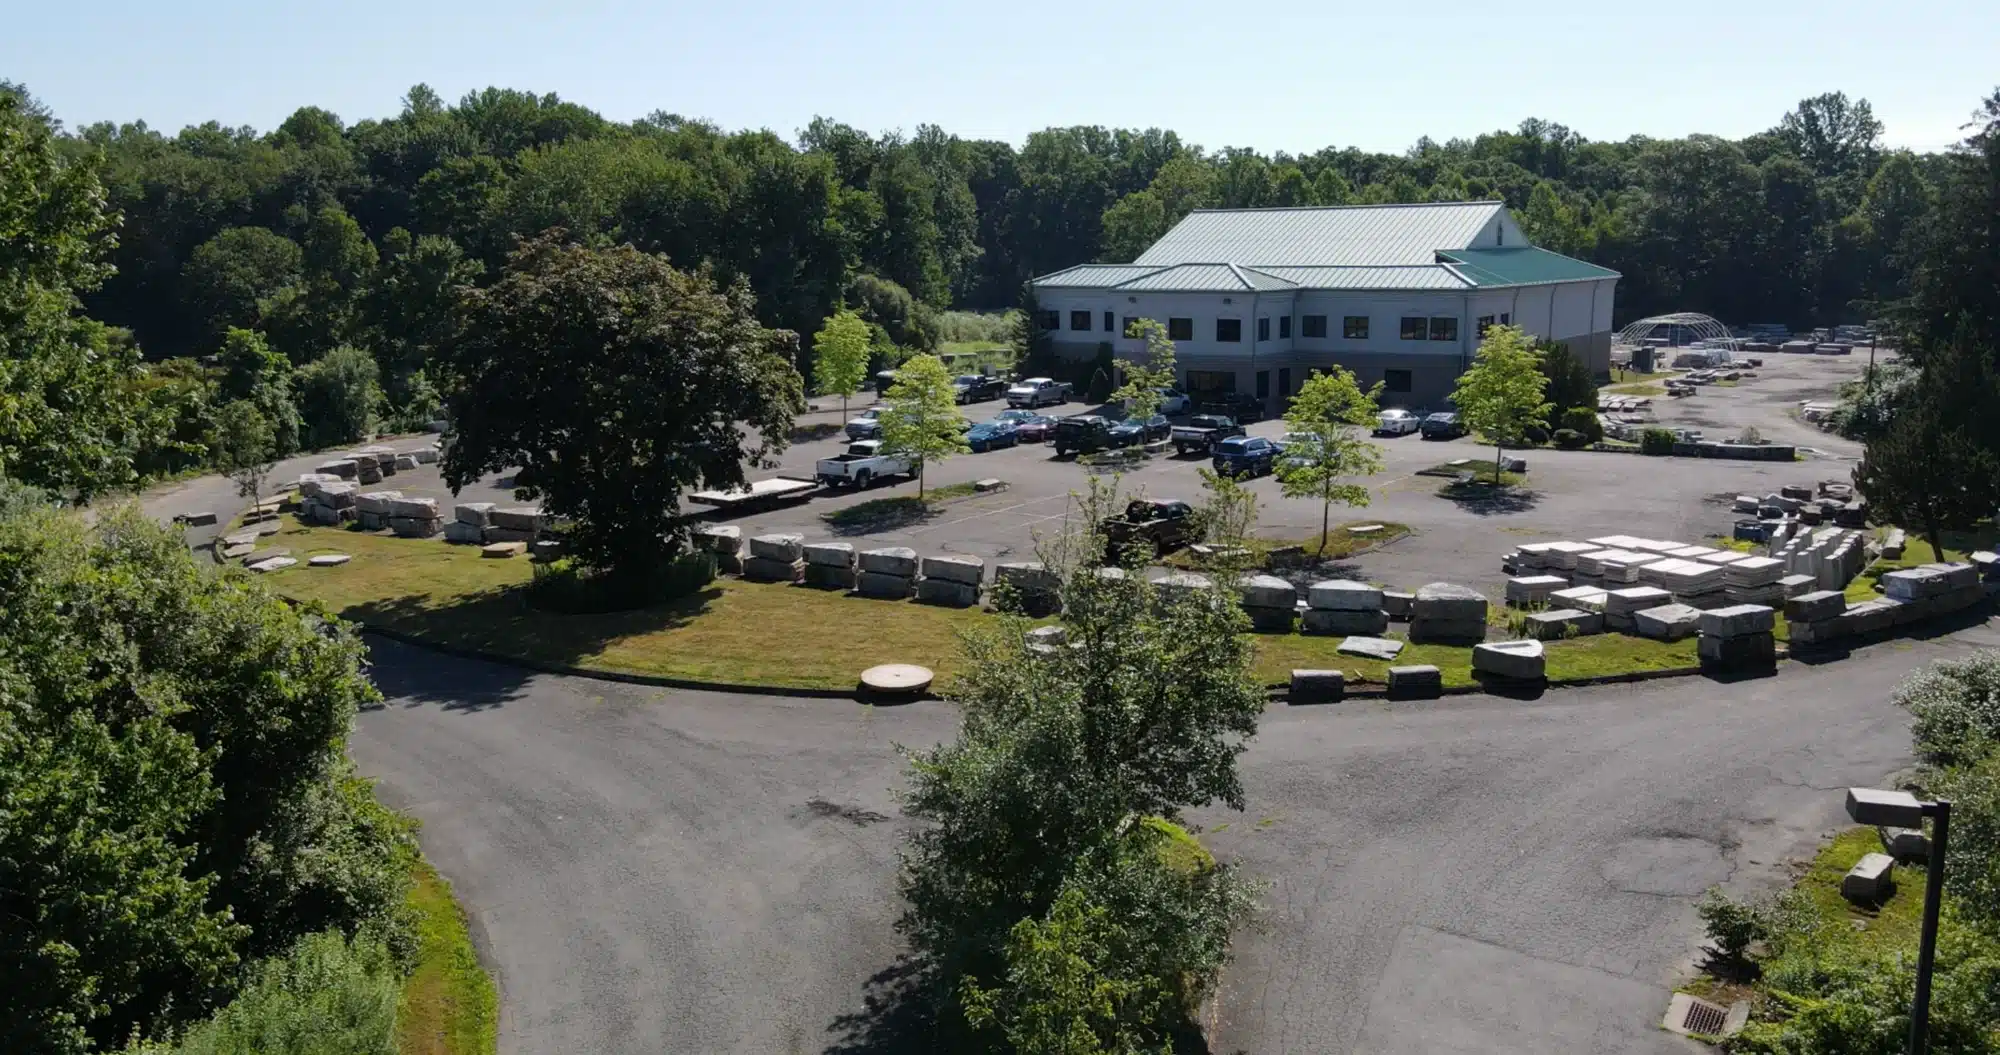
pixel 977 388
pixel 1203 432
pixel 1164 522
pixel 1081 432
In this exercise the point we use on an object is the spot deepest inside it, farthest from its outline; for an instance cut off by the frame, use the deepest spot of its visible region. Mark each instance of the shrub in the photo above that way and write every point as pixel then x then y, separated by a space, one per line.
pixel 327 997
pixel 1732 925
pixel 1583 420
pixel 339 396
pixel 566 587
pixel 1570 439
pixel 1656 441
pixel 1956 706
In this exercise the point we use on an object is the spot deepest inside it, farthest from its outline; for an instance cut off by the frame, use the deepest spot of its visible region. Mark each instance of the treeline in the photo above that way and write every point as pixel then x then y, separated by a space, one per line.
pixel 347 244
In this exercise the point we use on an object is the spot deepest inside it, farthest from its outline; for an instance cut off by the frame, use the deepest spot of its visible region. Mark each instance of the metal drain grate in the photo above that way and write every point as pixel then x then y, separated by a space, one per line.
pixel 1703 1017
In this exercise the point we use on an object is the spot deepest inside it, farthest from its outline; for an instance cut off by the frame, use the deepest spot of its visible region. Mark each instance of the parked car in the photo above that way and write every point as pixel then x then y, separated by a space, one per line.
pixel 1203 432
pixel 1443 425
pixel 1038 391
pixel 862 465
pixel 1246 456
pixel 1175 401
pixel 1166 523
pixel 866 425
pixel 1029 427
pixel 1296 445
pixel 1134 431
pixel 1082 432
pixel 1397 422
pixel 978 388
pixel 1240 406
pixel 992 435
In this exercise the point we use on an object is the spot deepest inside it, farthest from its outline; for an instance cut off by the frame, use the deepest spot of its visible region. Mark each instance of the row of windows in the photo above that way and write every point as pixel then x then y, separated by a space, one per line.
pixel 1230 331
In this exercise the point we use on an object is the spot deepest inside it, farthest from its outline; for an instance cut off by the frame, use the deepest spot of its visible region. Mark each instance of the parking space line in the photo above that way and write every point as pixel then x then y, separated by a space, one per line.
pixel 988 513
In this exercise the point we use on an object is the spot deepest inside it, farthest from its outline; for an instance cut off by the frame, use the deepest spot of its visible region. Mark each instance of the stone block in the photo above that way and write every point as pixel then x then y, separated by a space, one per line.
pixel 345 468
pixel 1180 583
pixel 425 455
pixel 1398 603
pixel 479 514
pixel 829 555
pixel 1269 591
pixel 1794 585
pixel 405 462
pixel 328 560
pixel 338 495
pixel 1271 620
pixel 1634 599
pixel 1447 631
pixel 966 571
pixel 898 561
pixel 716 539
pixel 783 548
pixel 1743 652
pixel 1526 590
pixel 1871 617
pixel 1416 682
pixel 417 508
pixel 274 563
pixel 766 569
pixel 1318 686
pixel 365 475
pixel 371 521
pixel 1988 564
pixel 1047 637
pixel 375 501
pixel 1738 620
pixel 1905 844
pixel 1815 606
pixel 501 534
pixel 1582 598
pixel 1371 647
pixel 1798 492
pixel 1564 622
pixel 518 518
pixel 829 576
pixel 883 585
pixel 503 550
pixel 415 527
pixel 1870 881
pixel 1513 660
pixel 1344 595
pixel 545 549
pixel 1345 621
pixel 1448 602
pixel 947 592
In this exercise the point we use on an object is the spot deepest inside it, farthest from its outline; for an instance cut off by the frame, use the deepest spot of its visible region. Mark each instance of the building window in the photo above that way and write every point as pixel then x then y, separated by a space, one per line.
pixel 1444 329
pixel 1313 325
pixel 1506 319
pixel 1180 329
pixel 1416 328
pixel 1079 320
pixel 1354 327
pixel 1048 320
pixel 1485 323
pixel 1210 382
pixel 1284 326
pixel 1126 329
pixel 1264 329
pixel 1229 331
pixel 1396 380
pixel 1110 320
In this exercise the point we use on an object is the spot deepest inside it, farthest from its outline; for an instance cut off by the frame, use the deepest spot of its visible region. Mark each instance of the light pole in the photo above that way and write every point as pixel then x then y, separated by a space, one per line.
pixel 1900 809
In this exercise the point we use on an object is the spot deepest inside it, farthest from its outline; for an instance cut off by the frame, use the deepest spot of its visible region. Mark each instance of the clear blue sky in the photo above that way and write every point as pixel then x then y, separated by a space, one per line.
pixel 1281 74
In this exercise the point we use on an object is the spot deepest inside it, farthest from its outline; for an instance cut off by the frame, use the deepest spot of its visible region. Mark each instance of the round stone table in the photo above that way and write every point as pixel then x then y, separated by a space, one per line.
pixel 897 679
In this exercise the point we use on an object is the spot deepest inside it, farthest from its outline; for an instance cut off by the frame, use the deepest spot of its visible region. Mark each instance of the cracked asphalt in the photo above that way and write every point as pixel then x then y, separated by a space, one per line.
pixel 656 871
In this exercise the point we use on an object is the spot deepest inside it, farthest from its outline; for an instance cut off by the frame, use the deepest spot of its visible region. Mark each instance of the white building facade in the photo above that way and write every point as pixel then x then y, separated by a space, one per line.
pixel 1257 299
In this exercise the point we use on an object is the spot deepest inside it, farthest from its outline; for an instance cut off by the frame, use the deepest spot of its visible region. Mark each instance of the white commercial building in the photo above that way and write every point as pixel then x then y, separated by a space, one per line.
pixel 1257 299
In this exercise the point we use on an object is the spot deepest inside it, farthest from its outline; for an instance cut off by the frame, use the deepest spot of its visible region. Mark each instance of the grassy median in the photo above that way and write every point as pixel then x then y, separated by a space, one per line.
pixel 763 634
pixel 449 1004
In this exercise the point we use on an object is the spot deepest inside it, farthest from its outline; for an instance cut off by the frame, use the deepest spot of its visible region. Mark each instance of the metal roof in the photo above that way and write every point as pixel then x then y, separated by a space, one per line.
pixel 1521 266
pixel 1426 276
pixel 1189 277
pixel 1093 276
pixel 1369 235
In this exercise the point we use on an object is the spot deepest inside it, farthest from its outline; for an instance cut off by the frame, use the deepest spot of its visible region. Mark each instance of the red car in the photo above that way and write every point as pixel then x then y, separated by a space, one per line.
pixel 1029 427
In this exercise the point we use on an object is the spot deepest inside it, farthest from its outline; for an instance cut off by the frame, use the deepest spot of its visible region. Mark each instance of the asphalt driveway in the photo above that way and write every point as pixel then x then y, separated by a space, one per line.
pixel 661 871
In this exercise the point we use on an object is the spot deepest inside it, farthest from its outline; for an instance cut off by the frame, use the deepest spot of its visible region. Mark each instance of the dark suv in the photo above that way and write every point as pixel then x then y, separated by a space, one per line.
pixel 1082 432
pixel 1246 456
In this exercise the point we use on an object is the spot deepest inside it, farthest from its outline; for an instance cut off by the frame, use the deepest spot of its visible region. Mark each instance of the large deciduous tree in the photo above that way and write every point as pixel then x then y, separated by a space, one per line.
pixel 1933 467
pixel 618 382
pixel 1503 394
pixel 1327 423
pixel 840 356
pixel 1146 380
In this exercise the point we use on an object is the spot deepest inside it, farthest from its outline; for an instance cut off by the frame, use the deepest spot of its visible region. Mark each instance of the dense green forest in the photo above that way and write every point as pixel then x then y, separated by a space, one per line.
pixel 322 261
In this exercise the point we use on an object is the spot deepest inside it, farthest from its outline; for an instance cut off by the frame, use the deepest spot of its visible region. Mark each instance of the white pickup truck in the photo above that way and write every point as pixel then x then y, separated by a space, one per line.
pixel 862 465
pixel 1037 391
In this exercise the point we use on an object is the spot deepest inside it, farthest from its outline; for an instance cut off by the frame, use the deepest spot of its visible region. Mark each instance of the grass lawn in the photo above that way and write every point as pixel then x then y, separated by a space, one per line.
pixel 880 514
pixel 1628 377
pixel 449 1005
pixel 1642 388
pixel 1338 543
pixel 450 595
pixel 986 356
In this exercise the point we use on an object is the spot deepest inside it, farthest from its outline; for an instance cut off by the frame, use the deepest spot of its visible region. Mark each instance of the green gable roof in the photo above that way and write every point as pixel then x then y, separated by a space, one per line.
pixel 1520 266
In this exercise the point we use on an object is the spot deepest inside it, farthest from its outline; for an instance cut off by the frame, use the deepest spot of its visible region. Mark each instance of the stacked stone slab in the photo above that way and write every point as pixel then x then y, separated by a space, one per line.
pixel 724 541
pixel 468 522
pixel 889 573
pixel 1527 591
pixel 1622 606
pixel 1031 585
pixel 1398 603
pixel 1668 622
pixel 1794 585
pixel 1833 556
pixel 1446 613
pixel 367 469
pixel 1692 582
pixel 1738 637
pixel 1511 661
pixel 1913 595
pixel 1754 580
pixel 952 580
pixel 415 517
pixel 1343 606
pixel 329 503
pixel 829 565
pixel 517 524
pixel 775 558
pixel 371 508
pixel 345 468
pixel 1272 603
pixel 1558 623
pixel 1179 584
pixel 1581 598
